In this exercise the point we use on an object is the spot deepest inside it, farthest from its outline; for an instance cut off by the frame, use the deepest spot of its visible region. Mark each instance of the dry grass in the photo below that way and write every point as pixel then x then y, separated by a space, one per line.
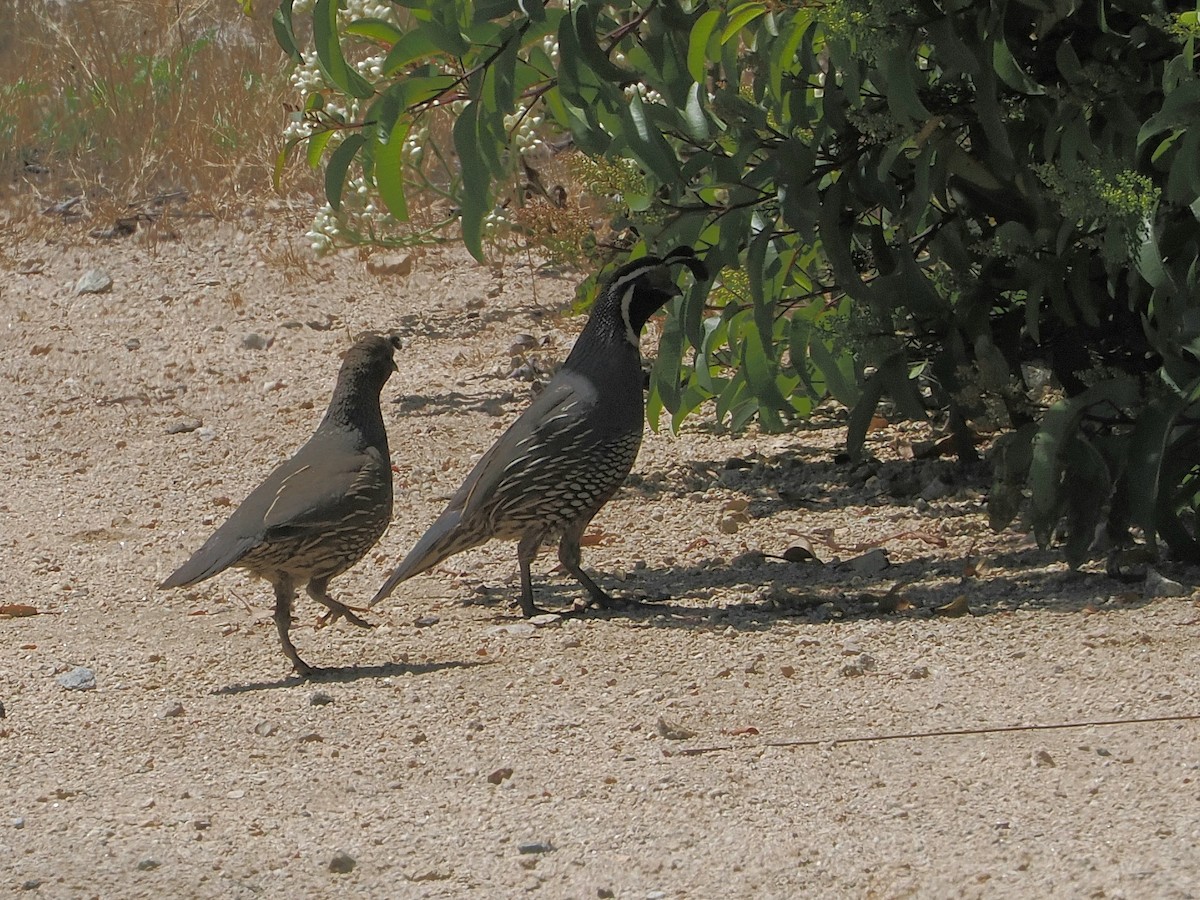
pixel 125 100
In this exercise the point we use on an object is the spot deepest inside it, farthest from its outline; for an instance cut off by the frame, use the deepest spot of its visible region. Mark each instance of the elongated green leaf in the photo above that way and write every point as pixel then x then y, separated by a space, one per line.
pixel 285 32
pixel 476 197
pixel 760 375
pixel 838 380
pixel 694 116
pixel 389 172
pixel 697 57
pixel 281 161
pixel 1147 450
pixel 316 147
pixel 413 45
pixel 898 71
pixel 646 143
pixel 1008 70
pixel 739 18
pixel 329 51
pixel 1180 109
pixel 376 30
pixel 861 414
pixel 665 374
pixel 583 19
pixel 336 168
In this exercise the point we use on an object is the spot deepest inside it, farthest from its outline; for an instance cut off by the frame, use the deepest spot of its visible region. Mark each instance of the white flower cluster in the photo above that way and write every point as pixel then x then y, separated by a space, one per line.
pixel 414 145
pixel 371 67
pixel 524 130
pixel 550 45
pixel 324 231
pixel 494 222
pixel 365 9
pixel 648 95
pixel 357 207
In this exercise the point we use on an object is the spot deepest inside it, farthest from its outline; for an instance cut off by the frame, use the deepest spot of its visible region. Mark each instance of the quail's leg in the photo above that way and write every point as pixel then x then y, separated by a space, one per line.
pixel 284 592
pixel 569 555
pixel 526 552
pixel 318 590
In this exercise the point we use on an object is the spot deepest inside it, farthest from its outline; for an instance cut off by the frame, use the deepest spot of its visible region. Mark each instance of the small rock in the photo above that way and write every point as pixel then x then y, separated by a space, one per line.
pixel 342 863
pixel 918 672
pixel 235 794
pixel 426 621
pixel 18 823
pixel 535 847
pixel 673 731
pixel 94 281
pixel 183 426
pixel 728 525
pixel 319 698
pixel 545 619
pixel 31 884
pixel 500 775
pixel 800 552
pixel 133 344
pixel 274 384
pixel 865 663
pixel 265 729
pixel 520 344
pixel 936 490
pixel 169 710
pixel 656 895
pixel 1043 760
pixel 78 679
pixel 570 643
pixel 517 629
pixel 252 340
pixel 2 711
pixel 391 264
pixel 1158 585
pixel 605 893
pixel 870 563
pixel 149 864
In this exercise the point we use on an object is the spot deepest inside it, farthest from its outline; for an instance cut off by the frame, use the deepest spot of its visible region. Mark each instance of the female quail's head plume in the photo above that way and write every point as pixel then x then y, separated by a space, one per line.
pixel 569 452
pixel 319 513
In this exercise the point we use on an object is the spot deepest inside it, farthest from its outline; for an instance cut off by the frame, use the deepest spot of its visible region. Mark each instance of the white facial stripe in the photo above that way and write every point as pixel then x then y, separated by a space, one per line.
pixel 630 335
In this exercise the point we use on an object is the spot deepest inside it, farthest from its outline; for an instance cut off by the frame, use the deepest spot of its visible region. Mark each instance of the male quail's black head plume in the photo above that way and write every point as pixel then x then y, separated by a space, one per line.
pixel 567 454
pixel 320 512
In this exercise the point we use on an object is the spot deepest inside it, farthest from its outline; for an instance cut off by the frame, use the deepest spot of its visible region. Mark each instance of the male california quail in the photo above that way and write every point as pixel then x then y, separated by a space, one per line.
pixel 320 512
pixel 567 454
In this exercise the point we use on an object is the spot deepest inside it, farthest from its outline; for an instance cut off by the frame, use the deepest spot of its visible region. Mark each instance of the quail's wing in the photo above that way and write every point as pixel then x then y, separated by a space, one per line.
pixel 527 440
pixel 321 490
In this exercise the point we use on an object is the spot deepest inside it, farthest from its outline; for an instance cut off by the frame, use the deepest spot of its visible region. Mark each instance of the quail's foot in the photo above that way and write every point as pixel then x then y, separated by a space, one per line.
pixel 337 611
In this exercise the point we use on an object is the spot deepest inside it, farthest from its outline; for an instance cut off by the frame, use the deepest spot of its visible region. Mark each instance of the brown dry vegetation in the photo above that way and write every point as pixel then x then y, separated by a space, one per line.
pixel 120 101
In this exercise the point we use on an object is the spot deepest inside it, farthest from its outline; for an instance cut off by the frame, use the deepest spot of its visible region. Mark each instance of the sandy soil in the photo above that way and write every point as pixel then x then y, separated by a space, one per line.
pixel 764 729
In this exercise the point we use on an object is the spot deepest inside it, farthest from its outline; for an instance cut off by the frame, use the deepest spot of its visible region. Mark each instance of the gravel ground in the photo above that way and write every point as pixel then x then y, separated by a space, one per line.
pixel 761 728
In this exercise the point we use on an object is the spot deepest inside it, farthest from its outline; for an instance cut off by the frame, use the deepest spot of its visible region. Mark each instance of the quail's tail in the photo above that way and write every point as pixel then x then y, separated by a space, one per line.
pixel 444 538
pixel 218 553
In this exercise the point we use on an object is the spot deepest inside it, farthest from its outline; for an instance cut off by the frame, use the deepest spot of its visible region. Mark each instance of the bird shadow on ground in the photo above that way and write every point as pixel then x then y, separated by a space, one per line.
pixel 775 591
pixel 347 675
pixel 493 403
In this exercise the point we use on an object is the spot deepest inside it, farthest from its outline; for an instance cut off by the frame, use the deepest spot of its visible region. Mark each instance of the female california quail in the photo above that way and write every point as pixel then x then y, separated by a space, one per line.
pixel 567 454
pixel 320 512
